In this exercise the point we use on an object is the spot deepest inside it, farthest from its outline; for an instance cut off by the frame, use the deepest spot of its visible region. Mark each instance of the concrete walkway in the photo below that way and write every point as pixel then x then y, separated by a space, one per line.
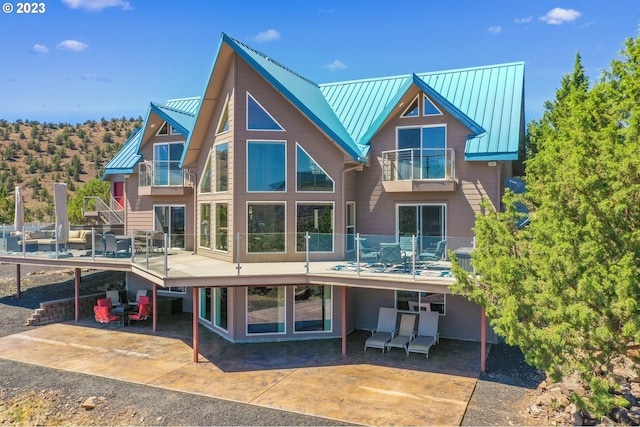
pixel 307 377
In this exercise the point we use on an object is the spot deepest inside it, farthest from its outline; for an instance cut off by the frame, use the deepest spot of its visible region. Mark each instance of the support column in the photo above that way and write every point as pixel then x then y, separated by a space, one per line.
pixel 483 341
pixel 77 293
pixel 18 291
pixel 344 320
pixel 155 307
pixel 196 293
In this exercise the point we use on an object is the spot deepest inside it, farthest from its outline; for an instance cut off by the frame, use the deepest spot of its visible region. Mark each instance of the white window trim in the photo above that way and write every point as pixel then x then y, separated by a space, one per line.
pixel 282 129
pixel 220 123
pixel 333 224
pixel 200 298
pixel 441 204
pixel 211 222
pixel 330 330
pixel 333 190
pixel 167 291
pixel 424 112
pixel 214 308
pixel 264 202
pixel 173 131
pixel 406 110
pixel 215 222
pixel 211 176
pixel 347 226
pixel 214 168
pixel 246 315
pixel 247 166
pixel 160 128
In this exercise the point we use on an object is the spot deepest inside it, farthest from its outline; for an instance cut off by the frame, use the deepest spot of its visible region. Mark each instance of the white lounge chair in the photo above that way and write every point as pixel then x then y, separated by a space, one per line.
pixel 115 297
pixel 139 293
pixel 427 333
pixel 385 331
pixel 406 333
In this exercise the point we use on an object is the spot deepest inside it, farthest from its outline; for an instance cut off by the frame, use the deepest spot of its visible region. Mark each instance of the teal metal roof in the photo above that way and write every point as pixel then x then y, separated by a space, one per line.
pixel 179 113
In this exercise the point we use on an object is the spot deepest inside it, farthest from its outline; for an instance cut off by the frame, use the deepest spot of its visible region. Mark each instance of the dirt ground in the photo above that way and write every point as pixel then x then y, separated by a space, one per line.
pixel 32 395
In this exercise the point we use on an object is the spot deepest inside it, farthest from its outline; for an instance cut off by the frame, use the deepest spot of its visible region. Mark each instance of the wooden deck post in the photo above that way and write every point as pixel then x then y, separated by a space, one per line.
pixel 344 320
pixel 154 313
pixel 195 324
pixel 483 341
pixel 77 293
pixel 18 291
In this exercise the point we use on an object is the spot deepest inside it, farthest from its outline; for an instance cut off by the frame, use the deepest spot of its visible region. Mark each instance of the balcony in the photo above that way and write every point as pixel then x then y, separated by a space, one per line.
pixel 419 170
pixel 164 178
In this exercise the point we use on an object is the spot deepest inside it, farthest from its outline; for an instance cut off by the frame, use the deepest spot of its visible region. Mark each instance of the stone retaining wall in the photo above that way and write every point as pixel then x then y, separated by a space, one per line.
pixel 63 310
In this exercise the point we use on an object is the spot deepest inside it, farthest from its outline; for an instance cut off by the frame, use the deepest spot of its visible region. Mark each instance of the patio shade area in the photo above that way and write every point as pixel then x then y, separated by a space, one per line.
pixel 309 377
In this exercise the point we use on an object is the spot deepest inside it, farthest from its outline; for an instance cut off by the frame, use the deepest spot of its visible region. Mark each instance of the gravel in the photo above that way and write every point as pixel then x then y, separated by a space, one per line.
pixel 33 395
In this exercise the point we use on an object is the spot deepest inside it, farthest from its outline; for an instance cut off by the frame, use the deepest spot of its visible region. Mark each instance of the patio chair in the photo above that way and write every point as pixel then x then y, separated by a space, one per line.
pixel 114 296
pixel 144 311
pixel 385 331
pixel 427 333
pixel 105 302
pixel 99 244
pixel 102 315
pixel 111 245
pixel 406 333
pixel 391 254
pixel 139 293
pixel 436 255
pixel 367 253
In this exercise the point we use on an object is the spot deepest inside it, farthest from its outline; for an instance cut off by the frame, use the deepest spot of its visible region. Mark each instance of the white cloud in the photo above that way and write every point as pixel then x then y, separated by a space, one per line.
pixel 267 36
pixel 39 48
pixel 495 30
pixel 558 16
pixel 523 20
pixel 73 45
pixel 336 65
pixel 97 5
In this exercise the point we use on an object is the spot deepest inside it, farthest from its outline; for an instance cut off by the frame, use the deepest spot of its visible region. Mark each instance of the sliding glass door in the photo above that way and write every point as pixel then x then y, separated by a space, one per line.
pixel 425 221
pixel 170 219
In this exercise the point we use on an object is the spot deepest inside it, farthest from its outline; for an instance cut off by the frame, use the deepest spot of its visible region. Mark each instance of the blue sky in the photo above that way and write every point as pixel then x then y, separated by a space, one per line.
pixel 87 59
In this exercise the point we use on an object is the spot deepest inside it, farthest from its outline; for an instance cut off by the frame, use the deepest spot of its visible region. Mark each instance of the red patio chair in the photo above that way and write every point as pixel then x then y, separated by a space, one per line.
pixel 105 302
pixel 144 311
pixel 102 315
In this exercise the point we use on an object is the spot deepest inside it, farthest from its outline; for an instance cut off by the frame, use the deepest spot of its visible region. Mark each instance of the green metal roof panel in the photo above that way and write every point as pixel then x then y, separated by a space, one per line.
pixel 185 105
pixel 180 120
pixel 127 158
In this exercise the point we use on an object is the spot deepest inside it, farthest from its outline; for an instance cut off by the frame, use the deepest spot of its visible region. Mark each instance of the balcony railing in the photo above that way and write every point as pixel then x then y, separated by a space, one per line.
pixel 415 164
pixel 163 174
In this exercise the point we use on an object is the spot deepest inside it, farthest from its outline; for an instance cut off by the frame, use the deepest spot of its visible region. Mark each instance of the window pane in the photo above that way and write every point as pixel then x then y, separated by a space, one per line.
pixel 433 161
pixel 408 138
pixel 312 308
pixel 265 309
pixel 310 176
pixel 429 108
pixel 205 225
pixel 205 183
pixel 222 167
pixel 266 227
pixel 258 118
pixel 205 303
pixel 351 226
pixel 266 165
pixel 221 307
pixel 403 298
pixel 221 227
pixel 412 111
pixel 318 221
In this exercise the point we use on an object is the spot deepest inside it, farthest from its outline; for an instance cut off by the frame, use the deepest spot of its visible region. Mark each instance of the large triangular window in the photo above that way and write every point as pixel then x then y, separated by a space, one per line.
pixel 223 125
pixel 309 175
pixel 412 110
pixel 205 183
pixel 430 108
pixel 164 129
pixel 258 118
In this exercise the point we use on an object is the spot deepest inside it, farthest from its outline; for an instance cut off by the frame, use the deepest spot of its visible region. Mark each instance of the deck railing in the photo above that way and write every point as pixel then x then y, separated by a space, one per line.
pixel 418 164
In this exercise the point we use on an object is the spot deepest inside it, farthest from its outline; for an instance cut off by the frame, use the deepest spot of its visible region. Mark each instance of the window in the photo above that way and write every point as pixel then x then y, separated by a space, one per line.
pixel 421 152
pixel 170 220
pixel 205 304
pixel 430 108
pixel 174 290
pixel 351 226
pixel 223 126
pixel 412 110
pixel 205 182
pixel 266 166
pixel 425 301
pixel 265 309
pixel 258 118
pixel 166 163
pixel 205 225
pixel 266 228
pixel 220 307
pixel 317 219
pixel 221 227
pixel 222 167
pixel 312 308
pixel 309 175
pixel 164 129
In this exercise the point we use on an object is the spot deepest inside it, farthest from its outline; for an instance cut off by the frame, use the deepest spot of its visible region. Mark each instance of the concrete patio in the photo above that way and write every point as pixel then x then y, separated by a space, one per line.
pixel 307 377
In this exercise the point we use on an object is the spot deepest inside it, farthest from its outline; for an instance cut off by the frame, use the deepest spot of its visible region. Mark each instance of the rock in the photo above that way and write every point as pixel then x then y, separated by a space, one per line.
pixel 576 419
pixel 620 415
pixel 634 415
pixel 89 404
pixel 158 419
pixel 606 421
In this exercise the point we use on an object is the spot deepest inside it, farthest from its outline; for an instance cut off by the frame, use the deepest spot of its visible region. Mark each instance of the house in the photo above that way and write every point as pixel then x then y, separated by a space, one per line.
pixel 267 169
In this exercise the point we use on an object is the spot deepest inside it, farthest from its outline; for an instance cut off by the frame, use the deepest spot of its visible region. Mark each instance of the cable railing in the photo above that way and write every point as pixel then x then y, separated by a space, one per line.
pixel 418 164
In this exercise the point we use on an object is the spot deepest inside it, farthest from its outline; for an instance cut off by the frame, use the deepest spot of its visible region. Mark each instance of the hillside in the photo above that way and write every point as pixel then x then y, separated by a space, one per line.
pixel 34 155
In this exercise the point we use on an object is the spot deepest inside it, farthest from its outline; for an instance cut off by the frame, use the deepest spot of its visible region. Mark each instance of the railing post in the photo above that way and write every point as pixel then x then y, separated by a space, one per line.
pixel 166 253
pixel 133 243
pixel 357 255
pixel 24 244
pixel 146 235
pixel 238 267
pixel 306 248
pixel 413 258
pixel 93 243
